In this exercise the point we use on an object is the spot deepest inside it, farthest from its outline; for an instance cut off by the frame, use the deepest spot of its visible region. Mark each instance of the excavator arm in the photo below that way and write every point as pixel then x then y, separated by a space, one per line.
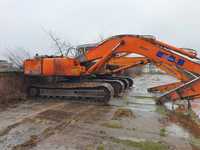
pixel 123 63
pixel 158 52
pixel 180 74
pixel 149 48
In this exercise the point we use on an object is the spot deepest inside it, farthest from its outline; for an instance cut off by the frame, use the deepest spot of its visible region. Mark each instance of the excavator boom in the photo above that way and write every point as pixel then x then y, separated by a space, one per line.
pixel 157 52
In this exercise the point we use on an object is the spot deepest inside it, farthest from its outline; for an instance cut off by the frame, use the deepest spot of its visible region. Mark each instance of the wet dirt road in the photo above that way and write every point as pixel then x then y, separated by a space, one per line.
pixel 130 122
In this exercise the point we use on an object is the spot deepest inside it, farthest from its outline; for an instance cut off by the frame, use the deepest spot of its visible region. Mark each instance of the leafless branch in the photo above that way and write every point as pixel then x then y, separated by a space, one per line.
pixel 17 56
pixel 56 41
pixel 64 48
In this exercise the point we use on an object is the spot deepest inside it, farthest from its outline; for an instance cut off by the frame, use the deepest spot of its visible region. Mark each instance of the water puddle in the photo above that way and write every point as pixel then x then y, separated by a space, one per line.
pixel 141 107
pixel 142 101
pixel 138 99
pixel 133 139
pixel 178 131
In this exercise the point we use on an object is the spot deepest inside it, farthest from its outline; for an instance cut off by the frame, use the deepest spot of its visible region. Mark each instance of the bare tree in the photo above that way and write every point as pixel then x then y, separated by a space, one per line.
pixel 17 56
pixel 57 42
pixel 64 48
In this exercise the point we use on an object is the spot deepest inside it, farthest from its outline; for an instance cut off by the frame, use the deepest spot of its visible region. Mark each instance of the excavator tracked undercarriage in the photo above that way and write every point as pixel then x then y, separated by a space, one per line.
pixel 87 89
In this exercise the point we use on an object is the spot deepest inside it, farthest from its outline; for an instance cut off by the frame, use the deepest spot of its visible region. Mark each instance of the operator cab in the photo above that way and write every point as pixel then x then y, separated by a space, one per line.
pixel 82 49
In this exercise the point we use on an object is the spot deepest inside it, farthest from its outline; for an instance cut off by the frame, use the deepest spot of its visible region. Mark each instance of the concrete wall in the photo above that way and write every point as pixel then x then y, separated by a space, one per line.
pixel 11 87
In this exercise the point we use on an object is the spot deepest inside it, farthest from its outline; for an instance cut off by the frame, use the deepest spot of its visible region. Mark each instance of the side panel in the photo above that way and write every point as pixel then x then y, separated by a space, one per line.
pixel 53 67
pixel 67 67
pixel 48 67
pixel 32 67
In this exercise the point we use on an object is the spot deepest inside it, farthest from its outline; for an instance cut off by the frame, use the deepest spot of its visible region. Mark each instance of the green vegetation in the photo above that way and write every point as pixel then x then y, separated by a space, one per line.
pixel 100 147
pixel 161 110
pixel 8 129
pixel 133 129
pixel 195 142
pixel 142 145
pixel 113 124
pixel 192 116
pixel 126 100
pixel 89 147
pixel 163 132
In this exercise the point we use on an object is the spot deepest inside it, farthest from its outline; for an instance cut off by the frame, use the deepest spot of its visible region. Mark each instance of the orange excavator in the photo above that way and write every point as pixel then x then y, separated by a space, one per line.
pixel 78 78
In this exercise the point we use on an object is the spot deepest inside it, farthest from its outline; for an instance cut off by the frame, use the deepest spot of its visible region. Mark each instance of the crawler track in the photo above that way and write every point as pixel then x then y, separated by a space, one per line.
pixel 93 92
pixel 127 81
pixel 118 86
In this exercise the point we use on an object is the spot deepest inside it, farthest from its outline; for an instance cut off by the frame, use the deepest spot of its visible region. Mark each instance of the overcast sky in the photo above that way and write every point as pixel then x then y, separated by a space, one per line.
pixel 82 21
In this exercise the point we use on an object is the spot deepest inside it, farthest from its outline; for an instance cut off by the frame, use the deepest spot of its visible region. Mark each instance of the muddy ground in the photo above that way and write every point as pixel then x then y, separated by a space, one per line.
pixel 130 122
pixel 11 88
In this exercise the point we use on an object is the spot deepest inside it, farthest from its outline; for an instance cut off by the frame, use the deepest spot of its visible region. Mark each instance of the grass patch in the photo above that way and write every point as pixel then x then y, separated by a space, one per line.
pixel 8 129
pixel 142 145
pixel 191 115
pixel 195 142
pixel 161 110
pixel 28 144
pixel 163 132
pixel 112 124
pixel 89 147
pixel 100 147
pixel 126 100
pixel 133 129
pixel 123 113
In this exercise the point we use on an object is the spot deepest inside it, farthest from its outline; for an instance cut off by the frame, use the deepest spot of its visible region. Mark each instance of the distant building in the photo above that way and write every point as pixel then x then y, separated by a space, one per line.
pixel 151 68
pixel 6 66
